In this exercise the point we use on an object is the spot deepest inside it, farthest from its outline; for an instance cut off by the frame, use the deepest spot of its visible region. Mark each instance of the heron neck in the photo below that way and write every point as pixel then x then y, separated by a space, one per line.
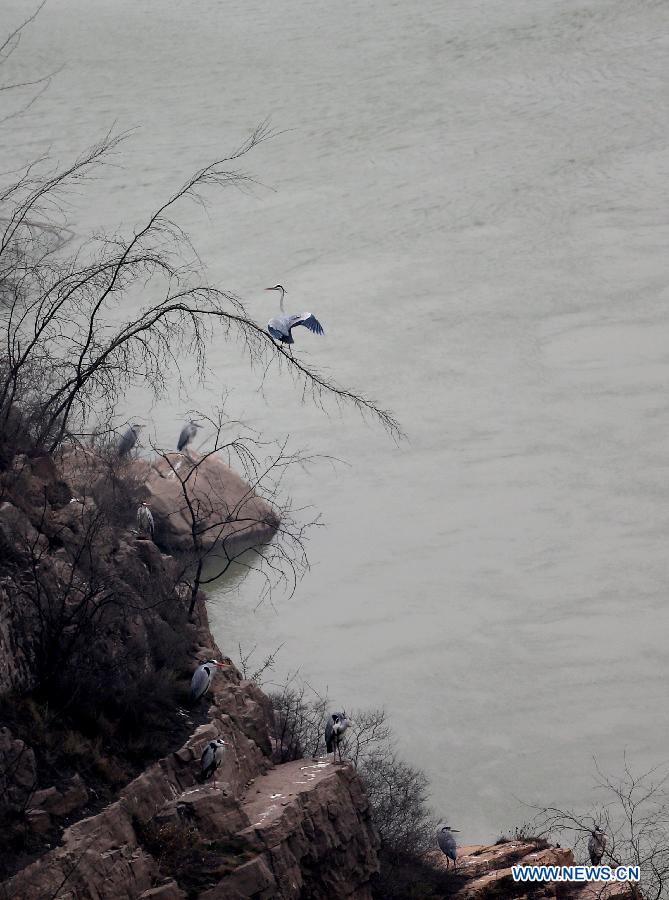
pixel 281 302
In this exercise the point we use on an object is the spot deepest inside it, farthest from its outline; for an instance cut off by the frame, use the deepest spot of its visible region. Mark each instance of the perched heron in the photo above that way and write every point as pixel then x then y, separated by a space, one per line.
pixel 280 327
pixel 188 432
pixel 145 522
pixel 211 759
pixel 335 726
pixel 128 439
pixel 447 842
pixel 597 845
pixel 202 679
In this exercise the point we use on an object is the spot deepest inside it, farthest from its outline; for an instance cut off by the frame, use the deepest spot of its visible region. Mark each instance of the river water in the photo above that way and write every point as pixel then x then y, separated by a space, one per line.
pixel 472 198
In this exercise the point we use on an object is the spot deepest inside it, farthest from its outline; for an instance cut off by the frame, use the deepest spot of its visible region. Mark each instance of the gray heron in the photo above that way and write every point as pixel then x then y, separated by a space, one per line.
pixel 202 679
pixel 597 845
pixel 188 432
pixel 280 327
pixel 211 759
pixel 128 439
pixel 145 522
pixel 335 726
pixel 447 842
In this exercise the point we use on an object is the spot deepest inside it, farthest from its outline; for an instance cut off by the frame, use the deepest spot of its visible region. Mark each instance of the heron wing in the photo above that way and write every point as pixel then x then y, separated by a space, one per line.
pixel 199 683
pixel 447 843
pixel 127 442
pixel 208 759
pixel 279 327
pixel 183 438
pixel 329 735
pixel 308 320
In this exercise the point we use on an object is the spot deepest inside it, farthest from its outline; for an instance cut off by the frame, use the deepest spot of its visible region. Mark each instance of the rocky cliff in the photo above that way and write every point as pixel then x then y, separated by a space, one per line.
pixel 90 806
pixel 301 829
pixel 100 794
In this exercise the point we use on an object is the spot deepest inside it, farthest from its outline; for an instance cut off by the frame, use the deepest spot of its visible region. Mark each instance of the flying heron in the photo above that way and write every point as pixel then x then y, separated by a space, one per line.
pixel 202 679
pixel 447 842
pixel 211 759
pixel 188 432
pixel 597 845
pixel 280 327
pixel 335 726
pixel 145 522
pixel 128 439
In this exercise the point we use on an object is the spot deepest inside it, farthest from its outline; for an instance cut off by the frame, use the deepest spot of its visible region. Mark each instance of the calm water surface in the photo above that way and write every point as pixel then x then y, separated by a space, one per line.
pixel 472 197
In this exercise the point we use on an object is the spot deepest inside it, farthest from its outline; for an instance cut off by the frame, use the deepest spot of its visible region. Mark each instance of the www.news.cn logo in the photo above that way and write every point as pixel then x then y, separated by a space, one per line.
pixel 575 873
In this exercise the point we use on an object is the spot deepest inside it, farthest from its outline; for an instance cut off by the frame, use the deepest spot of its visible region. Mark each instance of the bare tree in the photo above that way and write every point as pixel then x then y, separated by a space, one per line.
pixel 299 720
pixel 30 90
pixel 258 531
pixel 66 356
pixel 634 813
pixel 64 598
pixel 254 672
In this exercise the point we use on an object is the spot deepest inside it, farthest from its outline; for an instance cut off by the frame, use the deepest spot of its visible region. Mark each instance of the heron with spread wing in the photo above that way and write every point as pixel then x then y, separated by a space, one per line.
pixel 280 327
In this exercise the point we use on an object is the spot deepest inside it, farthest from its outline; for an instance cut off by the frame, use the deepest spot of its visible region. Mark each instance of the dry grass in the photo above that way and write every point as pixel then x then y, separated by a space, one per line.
pixel 184 854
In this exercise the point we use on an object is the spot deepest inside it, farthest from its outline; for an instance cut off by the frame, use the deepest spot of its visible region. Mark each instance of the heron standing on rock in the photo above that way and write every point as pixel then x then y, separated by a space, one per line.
pixel 335 726
pixel 597 845
pixel 145 522
pixel 447 843
pixel 202 679
pixel 280 327
pixel 188 432
pixel 211 759
pixel 128 439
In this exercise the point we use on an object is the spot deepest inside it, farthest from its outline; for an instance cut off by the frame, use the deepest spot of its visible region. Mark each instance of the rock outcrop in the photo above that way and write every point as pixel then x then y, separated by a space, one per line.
pixel 181 489
pixel 485 873
pixel 102 830
pixel 186 487
pixel 302 829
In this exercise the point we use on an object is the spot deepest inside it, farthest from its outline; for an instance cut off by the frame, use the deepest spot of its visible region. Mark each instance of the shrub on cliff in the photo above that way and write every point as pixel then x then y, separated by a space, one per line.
pixel 398 793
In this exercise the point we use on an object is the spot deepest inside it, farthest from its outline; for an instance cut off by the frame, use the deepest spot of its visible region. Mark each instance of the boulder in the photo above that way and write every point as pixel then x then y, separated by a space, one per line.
pixel 61 803
pixel 39 821
pixel 18 770
pixel 17 529
pixel 16 671
pixel 170 890
pixel 228 512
